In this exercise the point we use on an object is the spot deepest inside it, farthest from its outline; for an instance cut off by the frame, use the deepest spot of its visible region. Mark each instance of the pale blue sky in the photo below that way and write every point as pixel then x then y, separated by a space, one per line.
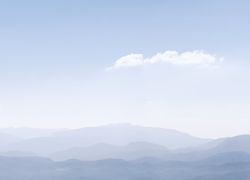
pixel 54 55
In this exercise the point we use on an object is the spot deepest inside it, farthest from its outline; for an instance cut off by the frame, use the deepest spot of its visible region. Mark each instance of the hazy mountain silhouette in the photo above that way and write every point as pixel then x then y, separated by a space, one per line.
pixel 18 154
pixel 237 143
pixel 118 134
pixel 123 152
pixel 6 139
pixel 105 151
pixel 219 167
pixel 120 141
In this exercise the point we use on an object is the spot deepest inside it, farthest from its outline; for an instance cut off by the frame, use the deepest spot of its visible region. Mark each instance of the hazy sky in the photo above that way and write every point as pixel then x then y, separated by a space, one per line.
pixel 173 64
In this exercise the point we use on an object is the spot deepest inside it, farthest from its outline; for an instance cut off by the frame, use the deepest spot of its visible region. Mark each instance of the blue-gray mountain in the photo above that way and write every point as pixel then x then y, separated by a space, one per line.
pixel 219 167
pixel 122 141
pixel 118 134
pixel 123 152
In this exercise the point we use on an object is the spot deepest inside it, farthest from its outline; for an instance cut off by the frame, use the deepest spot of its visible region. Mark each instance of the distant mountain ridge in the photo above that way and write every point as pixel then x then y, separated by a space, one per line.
pixel 119 134
pixel 236 143
pixel 6 139
pixel 219 167
pixel 105 151
pixel 119 141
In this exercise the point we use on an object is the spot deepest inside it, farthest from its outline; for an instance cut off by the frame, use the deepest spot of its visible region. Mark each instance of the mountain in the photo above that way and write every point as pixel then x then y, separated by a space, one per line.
pixel 237 143
pixel 110 159
pixel 118 134
pixel 6 139
pixel 144 150
pixel 227 157
pixel 17 154
pixel 131 151
pixel 214 168
pixel 121 141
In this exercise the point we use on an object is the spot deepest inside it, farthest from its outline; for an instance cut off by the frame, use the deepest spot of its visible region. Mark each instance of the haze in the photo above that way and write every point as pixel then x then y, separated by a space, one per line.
pixel 170 64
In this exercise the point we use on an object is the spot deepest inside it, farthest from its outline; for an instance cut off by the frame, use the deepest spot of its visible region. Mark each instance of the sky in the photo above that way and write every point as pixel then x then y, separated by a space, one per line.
pixel 175 64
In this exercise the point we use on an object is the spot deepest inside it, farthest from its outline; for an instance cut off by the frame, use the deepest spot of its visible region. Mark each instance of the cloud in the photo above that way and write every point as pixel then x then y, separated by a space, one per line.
pixel 197 57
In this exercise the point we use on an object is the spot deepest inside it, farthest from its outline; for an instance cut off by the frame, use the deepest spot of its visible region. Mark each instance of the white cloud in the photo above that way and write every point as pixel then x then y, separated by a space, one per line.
pixel 197 57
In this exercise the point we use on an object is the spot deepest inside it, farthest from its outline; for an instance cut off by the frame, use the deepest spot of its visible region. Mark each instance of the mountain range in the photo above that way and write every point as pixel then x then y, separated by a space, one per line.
pixel 226 166
pixel 120 151
pixel 117 134
pixel 115 141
